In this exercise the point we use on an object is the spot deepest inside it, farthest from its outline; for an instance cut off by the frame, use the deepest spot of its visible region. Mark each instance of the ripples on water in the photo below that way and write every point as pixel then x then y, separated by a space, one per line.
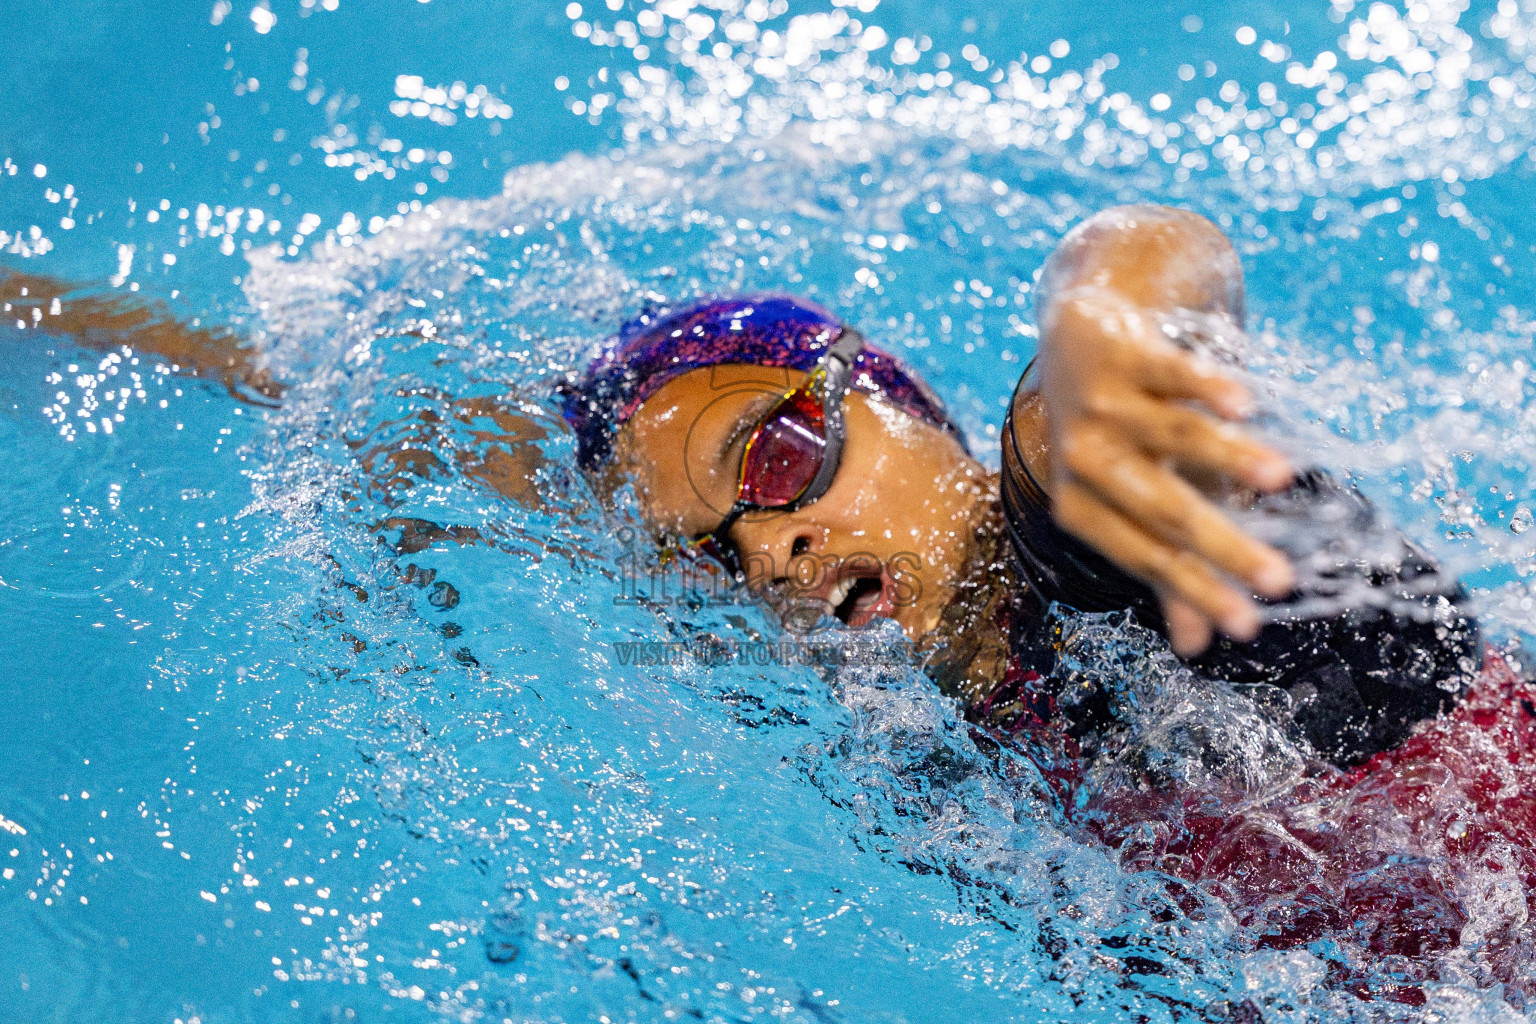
pixel 413 774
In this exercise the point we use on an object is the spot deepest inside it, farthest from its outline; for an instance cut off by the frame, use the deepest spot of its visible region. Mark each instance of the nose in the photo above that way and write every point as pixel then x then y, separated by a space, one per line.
pixel 785 564
pixel 775 549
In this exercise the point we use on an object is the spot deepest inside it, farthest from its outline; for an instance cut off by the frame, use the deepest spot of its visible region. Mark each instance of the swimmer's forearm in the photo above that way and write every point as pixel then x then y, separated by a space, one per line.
pixel 106 321
pixel 1124 420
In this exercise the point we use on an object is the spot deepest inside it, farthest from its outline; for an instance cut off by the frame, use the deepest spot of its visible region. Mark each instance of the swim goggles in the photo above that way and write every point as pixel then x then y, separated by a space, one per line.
pixel 793 452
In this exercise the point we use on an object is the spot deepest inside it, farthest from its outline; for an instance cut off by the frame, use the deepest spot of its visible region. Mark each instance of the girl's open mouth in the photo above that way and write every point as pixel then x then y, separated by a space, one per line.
pixel 857 599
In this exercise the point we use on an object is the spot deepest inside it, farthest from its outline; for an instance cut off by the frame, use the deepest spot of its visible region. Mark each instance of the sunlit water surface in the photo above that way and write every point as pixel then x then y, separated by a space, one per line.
pixel 266 759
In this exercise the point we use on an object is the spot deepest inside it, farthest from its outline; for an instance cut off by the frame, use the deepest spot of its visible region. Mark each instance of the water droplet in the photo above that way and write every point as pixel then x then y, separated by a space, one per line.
pixel 1522 520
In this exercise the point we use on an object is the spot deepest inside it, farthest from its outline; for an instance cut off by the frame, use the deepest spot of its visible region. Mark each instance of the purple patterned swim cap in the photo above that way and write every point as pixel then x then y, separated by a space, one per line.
pixel 763 330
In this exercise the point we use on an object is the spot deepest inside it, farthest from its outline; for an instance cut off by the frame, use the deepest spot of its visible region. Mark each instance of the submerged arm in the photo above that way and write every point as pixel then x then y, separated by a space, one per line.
pixel 506 455
pixel 1124 420
pixel 106 321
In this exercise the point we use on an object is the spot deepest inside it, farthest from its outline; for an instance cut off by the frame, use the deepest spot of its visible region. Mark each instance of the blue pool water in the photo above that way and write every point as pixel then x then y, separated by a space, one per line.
pixel 262 760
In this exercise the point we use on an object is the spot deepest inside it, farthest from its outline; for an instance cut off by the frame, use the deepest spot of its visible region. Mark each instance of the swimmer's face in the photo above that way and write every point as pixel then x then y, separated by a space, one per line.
pixel 889 537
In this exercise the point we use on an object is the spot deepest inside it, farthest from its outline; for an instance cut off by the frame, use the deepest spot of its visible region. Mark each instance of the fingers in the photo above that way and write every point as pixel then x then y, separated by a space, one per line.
pixel 1129 411
pixel 1189 632
pixel 1169 372
pixel 1191 437
pixel 1180 574
pixel 1163 505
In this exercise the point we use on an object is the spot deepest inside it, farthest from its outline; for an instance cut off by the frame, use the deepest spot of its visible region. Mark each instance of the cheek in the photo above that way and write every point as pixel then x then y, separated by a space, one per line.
pixel 907 481
pixel 899 489
pixel 884 509
pixel 656 489
pixel 894 467
pixel 877 500
pixel 672 494
pixel 653 505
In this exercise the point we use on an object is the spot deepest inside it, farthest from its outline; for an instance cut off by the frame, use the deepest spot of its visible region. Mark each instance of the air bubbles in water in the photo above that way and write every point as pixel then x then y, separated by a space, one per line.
pixel 1521 521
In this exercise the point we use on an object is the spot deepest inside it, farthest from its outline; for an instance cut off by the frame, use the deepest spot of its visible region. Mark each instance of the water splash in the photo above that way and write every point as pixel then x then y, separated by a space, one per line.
pixel 496 811
pixel 789 156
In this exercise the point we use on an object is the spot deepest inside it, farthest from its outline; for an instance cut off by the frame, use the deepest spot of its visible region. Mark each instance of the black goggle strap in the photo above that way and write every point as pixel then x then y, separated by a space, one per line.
pixel 836 371
pixel 718 543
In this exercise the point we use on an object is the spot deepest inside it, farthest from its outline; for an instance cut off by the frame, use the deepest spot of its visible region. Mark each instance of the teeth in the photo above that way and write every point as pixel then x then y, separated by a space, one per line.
pixel 840 592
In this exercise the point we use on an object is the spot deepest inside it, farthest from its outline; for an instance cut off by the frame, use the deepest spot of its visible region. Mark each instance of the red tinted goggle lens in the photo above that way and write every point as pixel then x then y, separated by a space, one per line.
pixel 785 452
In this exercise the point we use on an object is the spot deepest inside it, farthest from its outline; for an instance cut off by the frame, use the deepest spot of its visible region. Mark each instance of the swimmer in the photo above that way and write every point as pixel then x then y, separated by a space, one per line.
pixel 761 431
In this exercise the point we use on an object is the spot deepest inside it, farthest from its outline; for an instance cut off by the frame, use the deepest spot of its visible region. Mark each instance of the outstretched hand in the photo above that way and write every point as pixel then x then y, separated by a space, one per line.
pixel 1131 419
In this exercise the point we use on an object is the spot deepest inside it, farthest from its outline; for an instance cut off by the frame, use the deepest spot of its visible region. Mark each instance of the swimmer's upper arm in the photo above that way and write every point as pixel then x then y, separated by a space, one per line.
pixel 507 456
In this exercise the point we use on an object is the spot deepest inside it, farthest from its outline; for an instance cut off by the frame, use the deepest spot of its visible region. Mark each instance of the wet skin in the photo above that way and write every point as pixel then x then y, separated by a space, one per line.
pixel 888 538
pixel 1120 427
